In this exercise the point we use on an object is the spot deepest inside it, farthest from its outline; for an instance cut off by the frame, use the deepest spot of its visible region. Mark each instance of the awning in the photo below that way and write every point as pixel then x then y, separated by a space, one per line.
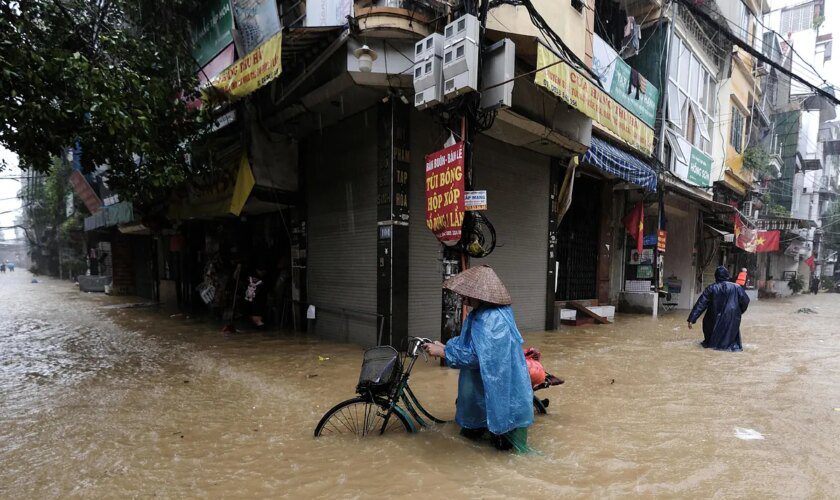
pixel 621 164
pixel 110 215
pixel 725 235
pixel 222 202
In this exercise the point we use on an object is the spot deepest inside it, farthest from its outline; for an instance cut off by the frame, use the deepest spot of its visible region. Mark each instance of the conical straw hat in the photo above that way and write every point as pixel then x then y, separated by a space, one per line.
pixel 479 283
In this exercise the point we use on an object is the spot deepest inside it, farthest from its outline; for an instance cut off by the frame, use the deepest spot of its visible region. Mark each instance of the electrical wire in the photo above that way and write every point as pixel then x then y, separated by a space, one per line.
pixel 693 8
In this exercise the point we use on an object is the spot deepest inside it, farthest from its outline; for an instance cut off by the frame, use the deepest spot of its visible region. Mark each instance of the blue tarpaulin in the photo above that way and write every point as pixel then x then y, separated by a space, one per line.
pixel 619 163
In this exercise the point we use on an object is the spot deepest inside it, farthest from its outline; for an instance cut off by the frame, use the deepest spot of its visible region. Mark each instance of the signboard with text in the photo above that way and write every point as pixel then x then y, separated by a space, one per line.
pixel 625 85
pixel 699 168
pixel 475 200
pixel 252 71
pixel 445 193
pixel 585 96
pixel 211 32
pixel 661 240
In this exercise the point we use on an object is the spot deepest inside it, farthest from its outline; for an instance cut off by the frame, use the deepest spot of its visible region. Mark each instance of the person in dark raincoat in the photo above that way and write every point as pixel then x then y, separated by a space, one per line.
pixel 724 302
pixel 495 395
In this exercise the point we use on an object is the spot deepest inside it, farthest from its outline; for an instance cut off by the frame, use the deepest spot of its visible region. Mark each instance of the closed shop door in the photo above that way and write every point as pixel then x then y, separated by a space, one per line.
pixel 340 175
pixel 142 258
pixel 424 251
pixel 577 243
pixel 517 184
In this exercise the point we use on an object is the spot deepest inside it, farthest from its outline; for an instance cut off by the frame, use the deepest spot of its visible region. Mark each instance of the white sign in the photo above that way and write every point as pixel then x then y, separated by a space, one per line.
pixel 328 12
pixel 475 200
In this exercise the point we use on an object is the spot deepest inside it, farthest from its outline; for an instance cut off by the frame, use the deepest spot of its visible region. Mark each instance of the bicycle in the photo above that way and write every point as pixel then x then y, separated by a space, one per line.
pixel 385 401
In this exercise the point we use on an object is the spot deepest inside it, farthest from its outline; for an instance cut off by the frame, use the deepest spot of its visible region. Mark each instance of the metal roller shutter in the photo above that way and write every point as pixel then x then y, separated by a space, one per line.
pixel 341 199
pixel 424 254
pixel 517 184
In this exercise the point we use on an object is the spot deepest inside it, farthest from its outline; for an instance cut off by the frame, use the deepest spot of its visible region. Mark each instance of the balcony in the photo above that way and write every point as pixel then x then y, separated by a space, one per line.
pixel 808 162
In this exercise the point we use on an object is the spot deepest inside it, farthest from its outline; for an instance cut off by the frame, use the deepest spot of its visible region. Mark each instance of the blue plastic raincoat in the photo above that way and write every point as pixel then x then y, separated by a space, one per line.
pixel 494 388
pixel 724 302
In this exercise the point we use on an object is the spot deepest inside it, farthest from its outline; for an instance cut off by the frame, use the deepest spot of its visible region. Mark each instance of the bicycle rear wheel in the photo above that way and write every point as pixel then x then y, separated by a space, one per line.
pixel 362 417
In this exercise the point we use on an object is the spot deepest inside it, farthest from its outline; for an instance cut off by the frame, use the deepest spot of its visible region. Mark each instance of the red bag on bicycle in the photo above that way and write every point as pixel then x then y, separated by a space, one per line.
pixel 535 367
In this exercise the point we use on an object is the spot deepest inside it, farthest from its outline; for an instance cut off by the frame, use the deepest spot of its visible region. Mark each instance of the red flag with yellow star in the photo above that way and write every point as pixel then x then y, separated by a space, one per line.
pixel 635 224
pixel 767 241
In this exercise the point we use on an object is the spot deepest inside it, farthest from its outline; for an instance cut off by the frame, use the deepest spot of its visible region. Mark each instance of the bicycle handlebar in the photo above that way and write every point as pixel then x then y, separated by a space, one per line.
pixel 415 343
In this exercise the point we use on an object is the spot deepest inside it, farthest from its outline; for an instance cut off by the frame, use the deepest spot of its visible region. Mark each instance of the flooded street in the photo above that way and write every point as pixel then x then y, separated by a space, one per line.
pixel 102 401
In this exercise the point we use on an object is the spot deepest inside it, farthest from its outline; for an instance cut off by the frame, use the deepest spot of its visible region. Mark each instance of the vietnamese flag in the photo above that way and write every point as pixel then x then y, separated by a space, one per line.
pixel 635 224
pixel 745 237
pixel 811 264
pixel 767 241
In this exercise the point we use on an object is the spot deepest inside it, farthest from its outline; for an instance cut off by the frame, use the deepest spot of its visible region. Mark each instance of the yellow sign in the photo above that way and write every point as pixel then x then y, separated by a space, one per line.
pixel 225 198
pixel 571 86
pixel 244 185
pixel 251 72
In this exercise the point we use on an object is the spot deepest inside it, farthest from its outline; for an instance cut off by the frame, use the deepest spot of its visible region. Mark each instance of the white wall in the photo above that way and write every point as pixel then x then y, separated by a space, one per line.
pixel 679 253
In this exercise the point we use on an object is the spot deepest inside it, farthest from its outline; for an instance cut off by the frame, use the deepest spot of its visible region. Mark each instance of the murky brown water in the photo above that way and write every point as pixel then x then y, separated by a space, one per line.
pixel 99 402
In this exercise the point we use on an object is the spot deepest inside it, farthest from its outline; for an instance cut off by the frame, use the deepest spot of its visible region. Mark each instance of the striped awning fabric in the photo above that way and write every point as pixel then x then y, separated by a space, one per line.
pixel 619 163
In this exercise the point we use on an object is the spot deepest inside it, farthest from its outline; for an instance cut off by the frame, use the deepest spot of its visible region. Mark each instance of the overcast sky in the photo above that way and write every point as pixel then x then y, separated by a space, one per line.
pixel 9 188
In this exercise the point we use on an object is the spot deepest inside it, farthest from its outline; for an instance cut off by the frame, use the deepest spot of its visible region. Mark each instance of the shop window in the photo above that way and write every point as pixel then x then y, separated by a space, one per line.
pixel 736 133
pixel 691 125
pixel 798 18
pixel 691 96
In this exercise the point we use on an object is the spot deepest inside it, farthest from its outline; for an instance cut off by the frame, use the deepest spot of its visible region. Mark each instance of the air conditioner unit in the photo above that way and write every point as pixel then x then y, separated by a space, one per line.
pixel 749 209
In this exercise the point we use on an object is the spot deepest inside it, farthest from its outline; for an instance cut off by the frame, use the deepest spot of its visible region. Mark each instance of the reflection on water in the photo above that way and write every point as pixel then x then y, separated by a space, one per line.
pixel 130 402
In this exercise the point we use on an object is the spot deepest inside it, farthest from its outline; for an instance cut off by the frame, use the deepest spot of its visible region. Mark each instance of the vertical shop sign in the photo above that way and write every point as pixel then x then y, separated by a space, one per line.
pixel 661 241
pixel 445 193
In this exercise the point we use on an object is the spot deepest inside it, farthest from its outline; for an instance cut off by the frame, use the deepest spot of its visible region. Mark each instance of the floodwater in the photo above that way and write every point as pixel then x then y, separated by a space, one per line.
pixel 98 401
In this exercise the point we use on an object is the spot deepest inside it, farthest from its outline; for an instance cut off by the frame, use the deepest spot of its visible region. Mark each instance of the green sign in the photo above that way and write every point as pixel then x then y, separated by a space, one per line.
pixel 211 32
pixel 634 92
pixel 699 168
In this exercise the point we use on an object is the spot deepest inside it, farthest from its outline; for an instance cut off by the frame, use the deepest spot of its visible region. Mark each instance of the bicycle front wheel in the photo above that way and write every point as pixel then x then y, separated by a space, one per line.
pixel 361 417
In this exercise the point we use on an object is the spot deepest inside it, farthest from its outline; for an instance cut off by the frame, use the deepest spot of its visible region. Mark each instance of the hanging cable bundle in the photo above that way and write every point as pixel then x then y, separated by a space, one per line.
pixel 478 236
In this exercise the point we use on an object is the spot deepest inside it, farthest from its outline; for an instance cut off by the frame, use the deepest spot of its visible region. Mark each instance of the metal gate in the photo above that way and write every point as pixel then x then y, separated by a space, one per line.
pixel 577 244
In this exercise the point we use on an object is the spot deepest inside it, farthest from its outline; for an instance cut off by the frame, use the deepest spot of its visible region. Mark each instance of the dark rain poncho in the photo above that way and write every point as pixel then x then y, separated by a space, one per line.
pixel 724 302
pixel 494 387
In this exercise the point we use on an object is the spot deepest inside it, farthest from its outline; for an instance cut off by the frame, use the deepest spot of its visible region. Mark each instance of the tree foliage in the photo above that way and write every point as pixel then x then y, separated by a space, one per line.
pixel 106 75
pixel 831 228
pixel 757 160
pixel 48 227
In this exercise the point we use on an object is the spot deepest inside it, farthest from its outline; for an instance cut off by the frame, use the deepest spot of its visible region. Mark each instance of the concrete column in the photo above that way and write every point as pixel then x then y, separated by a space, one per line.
pixel 393 157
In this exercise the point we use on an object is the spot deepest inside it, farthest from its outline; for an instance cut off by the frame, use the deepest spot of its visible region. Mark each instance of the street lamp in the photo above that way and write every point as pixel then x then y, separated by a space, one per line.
pixel 366 56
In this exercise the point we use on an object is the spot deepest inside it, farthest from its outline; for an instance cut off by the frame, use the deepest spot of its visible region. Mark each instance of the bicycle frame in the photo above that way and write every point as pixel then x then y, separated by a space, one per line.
pixel 403 393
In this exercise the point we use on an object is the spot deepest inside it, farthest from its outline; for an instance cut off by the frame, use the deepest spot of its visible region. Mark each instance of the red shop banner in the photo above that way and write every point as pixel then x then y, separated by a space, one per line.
pixel 445 193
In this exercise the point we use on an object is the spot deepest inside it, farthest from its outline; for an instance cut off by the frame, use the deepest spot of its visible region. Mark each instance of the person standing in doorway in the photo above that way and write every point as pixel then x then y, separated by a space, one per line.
pixel 256 296
pixel 742 277
pixel 723 302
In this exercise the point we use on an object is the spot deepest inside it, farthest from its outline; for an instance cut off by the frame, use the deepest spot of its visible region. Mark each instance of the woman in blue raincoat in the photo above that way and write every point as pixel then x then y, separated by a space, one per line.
pixel 494 387
pixel 724 302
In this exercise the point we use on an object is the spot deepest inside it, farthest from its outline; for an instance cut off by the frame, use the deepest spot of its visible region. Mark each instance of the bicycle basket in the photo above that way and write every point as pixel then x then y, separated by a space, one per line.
pixel 381 369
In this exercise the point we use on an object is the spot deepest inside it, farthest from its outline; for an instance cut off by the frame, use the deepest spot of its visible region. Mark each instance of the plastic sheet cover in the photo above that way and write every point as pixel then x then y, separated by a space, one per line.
pixel 494 388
